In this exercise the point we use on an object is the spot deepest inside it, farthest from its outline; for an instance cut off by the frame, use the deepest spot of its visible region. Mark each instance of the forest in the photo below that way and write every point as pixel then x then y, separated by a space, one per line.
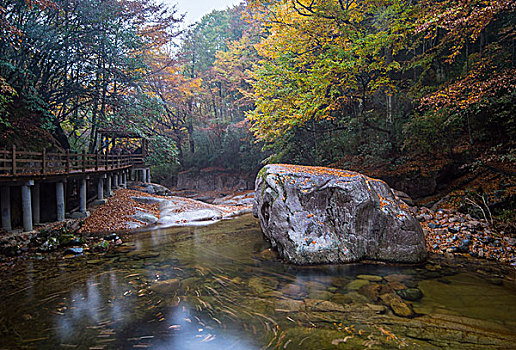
pixel 279 174
pixel 379 86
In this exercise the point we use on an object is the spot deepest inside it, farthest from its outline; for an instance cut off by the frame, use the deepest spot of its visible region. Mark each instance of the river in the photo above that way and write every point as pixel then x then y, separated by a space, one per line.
pixel 219 287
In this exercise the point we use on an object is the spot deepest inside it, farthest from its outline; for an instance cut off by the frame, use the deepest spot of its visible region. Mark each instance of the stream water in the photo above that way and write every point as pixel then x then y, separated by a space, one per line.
pixel 219 287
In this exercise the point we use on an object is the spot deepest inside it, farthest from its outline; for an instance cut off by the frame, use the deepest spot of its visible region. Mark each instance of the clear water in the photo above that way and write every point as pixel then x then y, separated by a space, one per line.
pixel 218 287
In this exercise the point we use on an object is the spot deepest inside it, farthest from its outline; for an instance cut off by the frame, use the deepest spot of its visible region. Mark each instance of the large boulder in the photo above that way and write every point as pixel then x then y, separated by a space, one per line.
pixel 323 215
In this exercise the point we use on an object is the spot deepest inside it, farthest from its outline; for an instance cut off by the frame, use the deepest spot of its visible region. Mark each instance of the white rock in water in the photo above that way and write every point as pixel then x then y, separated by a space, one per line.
pixel 323 215
pixel 145 217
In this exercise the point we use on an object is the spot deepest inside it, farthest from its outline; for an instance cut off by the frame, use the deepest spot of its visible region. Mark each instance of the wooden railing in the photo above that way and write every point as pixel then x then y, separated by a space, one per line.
pixel 16 163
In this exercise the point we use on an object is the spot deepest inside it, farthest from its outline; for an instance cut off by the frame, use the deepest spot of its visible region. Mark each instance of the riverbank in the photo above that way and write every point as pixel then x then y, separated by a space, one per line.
pixel 448 233
pixel 451 232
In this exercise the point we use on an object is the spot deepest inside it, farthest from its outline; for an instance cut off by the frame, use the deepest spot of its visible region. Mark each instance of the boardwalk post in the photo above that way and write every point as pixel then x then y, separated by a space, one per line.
pixel 108 187
pixel 124 179
pixel 36 207
pixel 100 189
pixel 44 161
pixel 121 180
pixel 83 196
pixel 115 178
pixel 5 202
pixel 27 206
pixel 60 201
pixel 148 175
pixel 13 159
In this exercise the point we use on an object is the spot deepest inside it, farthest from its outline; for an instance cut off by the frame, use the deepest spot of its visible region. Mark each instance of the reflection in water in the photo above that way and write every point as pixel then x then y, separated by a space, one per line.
pixel 193 334
pixel 219 287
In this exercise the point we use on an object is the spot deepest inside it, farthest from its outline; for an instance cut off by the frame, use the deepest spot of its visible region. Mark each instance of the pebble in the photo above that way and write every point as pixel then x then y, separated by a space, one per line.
pixel 74 251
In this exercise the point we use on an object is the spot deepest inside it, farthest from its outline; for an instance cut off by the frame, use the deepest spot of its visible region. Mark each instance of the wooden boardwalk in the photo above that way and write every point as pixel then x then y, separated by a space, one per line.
pixel 30 172
pixel 18 165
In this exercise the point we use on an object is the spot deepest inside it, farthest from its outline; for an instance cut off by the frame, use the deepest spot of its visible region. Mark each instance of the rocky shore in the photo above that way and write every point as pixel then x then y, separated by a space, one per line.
pixel 451 232
pixel 143 206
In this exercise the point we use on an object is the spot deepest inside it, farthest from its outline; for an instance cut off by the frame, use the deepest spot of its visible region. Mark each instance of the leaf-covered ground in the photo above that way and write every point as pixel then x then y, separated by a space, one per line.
pixel 117 212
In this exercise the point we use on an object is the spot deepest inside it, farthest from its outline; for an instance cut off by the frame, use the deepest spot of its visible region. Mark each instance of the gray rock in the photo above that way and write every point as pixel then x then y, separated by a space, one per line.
pixel 133 225
pixel 322 215
pixel 49 245
pixel 148 200
pixel 74 251
pixel 155 189
pixel 203 214
pixel 79 215
pixel 145 217
pixel 235 200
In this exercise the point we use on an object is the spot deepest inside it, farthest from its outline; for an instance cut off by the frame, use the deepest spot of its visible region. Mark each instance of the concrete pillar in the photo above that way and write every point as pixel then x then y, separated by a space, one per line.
pixel 83 196
pixel 144 175
pixel 148 175
pixel 36 207
pixel 100 189
pixel 108 187
pixel 60 200
pixel 120 180
pixel 124 179
pixel 27 206
pixel 115 178
pixel 5 201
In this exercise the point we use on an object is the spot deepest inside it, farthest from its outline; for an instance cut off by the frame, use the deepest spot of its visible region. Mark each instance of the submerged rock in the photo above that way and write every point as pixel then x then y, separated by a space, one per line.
pixel 397 305
pixel 356 284
pixel 372 278
pixel 261 285
pixel 166 287
pixel 323 215
pixel 411 294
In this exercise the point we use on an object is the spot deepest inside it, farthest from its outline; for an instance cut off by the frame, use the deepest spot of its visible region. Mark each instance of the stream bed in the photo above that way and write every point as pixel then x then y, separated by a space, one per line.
pixel 220 287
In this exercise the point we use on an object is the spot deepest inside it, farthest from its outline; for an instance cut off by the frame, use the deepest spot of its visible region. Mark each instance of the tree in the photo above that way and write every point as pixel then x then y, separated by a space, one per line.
pixel 71 62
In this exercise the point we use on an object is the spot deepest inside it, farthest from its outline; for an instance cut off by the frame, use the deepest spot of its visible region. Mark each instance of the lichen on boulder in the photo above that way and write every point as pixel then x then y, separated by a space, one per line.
pixel 323 215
